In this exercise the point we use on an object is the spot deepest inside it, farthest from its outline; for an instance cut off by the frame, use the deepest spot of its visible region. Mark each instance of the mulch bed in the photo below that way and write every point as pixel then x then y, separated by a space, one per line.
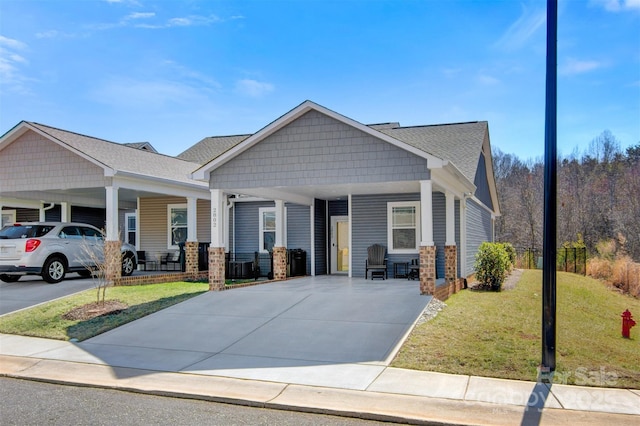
pixel 95 309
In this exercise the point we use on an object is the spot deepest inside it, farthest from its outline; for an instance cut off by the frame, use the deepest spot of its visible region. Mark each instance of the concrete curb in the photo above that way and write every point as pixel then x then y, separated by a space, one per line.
pixel 371 405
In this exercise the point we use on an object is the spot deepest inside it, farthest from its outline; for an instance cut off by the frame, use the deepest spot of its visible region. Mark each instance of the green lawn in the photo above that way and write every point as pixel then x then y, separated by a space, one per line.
pixel 498 334
pixel 46 320
pixel 478 333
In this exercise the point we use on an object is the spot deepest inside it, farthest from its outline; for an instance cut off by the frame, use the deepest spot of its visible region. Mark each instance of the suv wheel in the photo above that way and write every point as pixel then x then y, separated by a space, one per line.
pixel 54 270
pixel 9 278
pixel 128 264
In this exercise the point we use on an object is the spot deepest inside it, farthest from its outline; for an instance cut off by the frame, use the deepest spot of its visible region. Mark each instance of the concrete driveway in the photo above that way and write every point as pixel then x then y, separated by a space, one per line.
pixel 32 290
pixel 320 331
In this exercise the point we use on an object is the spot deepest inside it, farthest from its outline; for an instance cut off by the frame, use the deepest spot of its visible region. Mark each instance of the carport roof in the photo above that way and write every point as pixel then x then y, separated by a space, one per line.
pixel 113 156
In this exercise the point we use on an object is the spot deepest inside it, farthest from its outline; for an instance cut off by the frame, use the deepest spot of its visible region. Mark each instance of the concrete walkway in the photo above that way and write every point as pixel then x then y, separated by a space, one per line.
pixel 320 344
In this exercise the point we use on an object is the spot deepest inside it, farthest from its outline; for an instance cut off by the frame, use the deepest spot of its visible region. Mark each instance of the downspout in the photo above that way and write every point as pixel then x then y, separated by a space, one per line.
pixel 231 239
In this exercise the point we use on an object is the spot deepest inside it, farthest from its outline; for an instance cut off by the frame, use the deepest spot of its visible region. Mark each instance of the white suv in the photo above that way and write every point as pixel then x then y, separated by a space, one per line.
pixel 51 249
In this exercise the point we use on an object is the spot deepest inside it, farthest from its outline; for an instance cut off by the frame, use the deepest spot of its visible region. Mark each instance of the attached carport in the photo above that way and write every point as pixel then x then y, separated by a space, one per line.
pixel 41 166
pixel 314 155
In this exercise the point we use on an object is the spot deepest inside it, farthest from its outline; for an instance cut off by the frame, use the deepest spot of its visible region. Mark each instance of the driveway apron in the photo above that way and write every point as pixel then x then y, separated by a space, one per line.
pixel 311 330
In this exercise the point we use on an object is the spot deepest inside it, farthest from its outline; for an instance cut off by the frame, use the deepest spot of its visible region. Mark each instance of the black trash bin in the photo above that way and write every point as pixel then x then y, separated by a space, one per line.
pixel 298 263
pixel 203 256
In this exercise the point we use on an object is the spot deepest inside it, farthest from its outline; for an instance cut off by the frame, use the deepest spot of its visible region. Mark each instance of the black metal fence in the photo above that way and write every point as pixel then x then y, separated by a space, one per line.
pixel 258 265
pixel 568 259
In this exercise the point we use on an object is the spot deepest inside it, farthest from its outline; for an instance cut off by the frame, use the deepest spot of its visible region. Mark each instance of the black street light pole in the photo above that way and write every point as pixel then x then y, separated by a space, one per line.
pixel 550 200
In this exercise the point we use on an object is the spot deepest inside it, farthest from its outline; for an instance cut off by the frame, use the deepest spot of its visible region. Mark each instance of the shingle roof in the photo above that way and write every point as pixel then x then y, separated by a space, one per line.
pixel 459 143
pixel 209 148
pixel 122 157
pixel 141 145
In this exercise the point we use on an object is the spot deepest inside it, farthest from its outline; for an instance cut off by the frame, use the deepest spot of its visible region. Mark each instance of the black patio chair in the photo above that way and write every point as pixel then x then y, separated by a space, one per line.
pixel 376 262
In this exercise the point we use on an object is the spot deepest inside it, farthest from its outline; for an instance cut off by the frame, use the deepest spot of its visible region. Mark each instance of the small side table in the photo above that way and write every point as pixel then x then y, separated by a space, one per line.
pixel 400 269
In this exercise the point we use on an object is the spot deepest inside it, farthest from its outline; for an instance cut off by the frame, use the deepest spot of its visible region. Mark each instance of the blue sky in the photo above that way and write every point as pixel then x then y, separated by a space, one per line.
pixel 174 72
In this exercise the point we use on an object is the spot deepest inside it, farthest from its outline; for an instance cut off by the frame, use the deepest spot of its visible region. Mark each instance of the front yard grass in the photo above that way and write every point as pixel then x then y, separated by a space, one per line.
pixel 47 320
pixel 498 334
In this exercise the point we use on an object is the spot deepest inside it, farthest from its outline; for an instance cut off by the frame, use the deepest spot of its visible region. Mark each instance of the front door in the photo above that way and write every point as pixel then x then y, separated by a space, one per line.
pixel 339 244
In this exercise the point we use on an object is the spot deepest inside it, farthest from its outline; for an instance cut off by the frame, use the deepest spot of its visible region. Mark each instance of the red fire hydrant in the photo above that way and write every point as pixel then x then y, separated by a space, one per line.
pixel 627 323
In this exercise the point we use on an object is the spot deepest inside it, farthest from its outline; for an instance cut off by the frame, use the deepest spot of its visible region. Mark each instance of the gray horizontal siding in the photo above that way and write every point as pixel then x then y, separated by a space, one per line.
pixel 246 235
pixel 246 230
pixel 299 230
pixel 479 230
pixel 439 230
pixel 369 226
pixel 481 182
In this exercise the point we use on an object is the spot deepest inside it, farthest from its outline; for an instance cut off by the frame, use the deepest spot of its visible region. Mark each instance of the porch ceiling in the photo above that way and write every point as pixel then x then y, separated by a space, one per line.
pixel 88 197
pixel 306 194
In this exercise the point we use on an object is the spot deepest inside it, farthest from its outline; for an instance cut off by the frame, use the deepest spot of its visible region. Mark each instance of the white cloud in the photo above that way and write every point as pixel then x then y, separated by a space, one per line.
pixel 253 88
pixel 487 80
pixel 47 34
pixel 617 5
pixel 139 15
pixel 126 92
pixel 575 66
pixel 12 43
pixel 519 33
pixel 141 20
pixel 11 61
pixel 193 20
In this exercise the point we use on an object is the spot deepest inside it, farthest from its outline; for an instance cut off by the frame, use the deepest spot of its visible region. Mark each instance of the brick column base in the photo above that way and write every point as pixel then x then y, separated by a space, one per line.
pixel 451 265
pixel 427 269
pixel 112 261
pixel 191 257
pixel 216 268
pixel 279 263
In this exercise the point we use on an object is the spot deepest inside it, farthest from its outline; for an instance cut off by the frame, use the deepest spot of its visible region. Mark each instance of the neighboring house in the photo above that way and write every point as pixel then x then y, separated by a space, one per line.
pixel 52 174
pixel 313 179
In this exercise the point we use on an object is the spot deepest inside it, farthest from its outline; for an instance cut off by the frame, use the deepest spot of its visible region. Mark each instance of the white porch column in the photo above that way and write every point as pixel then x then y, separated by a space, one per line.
pixel 112 258
pixel 450 219
pixel 65 212
pixel 279 224
pixel 112 213
pixel 217 218
pixel 217 248
pixel 192 219
pixel 426 213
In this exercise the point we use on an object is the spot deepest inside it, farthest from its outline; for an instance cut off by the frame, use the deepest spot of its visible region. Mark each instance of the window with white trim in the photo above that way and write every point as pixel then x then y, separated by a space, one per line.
pixel 130 228
pixel 177 225
pixel 403 227
pixel 267 228
pixel 267 237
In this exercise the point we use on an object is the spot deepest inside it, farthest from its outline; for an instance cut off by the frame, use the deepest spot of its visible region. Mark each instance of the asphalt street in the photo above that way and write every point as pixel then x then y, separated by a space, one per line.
pixel 25 402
